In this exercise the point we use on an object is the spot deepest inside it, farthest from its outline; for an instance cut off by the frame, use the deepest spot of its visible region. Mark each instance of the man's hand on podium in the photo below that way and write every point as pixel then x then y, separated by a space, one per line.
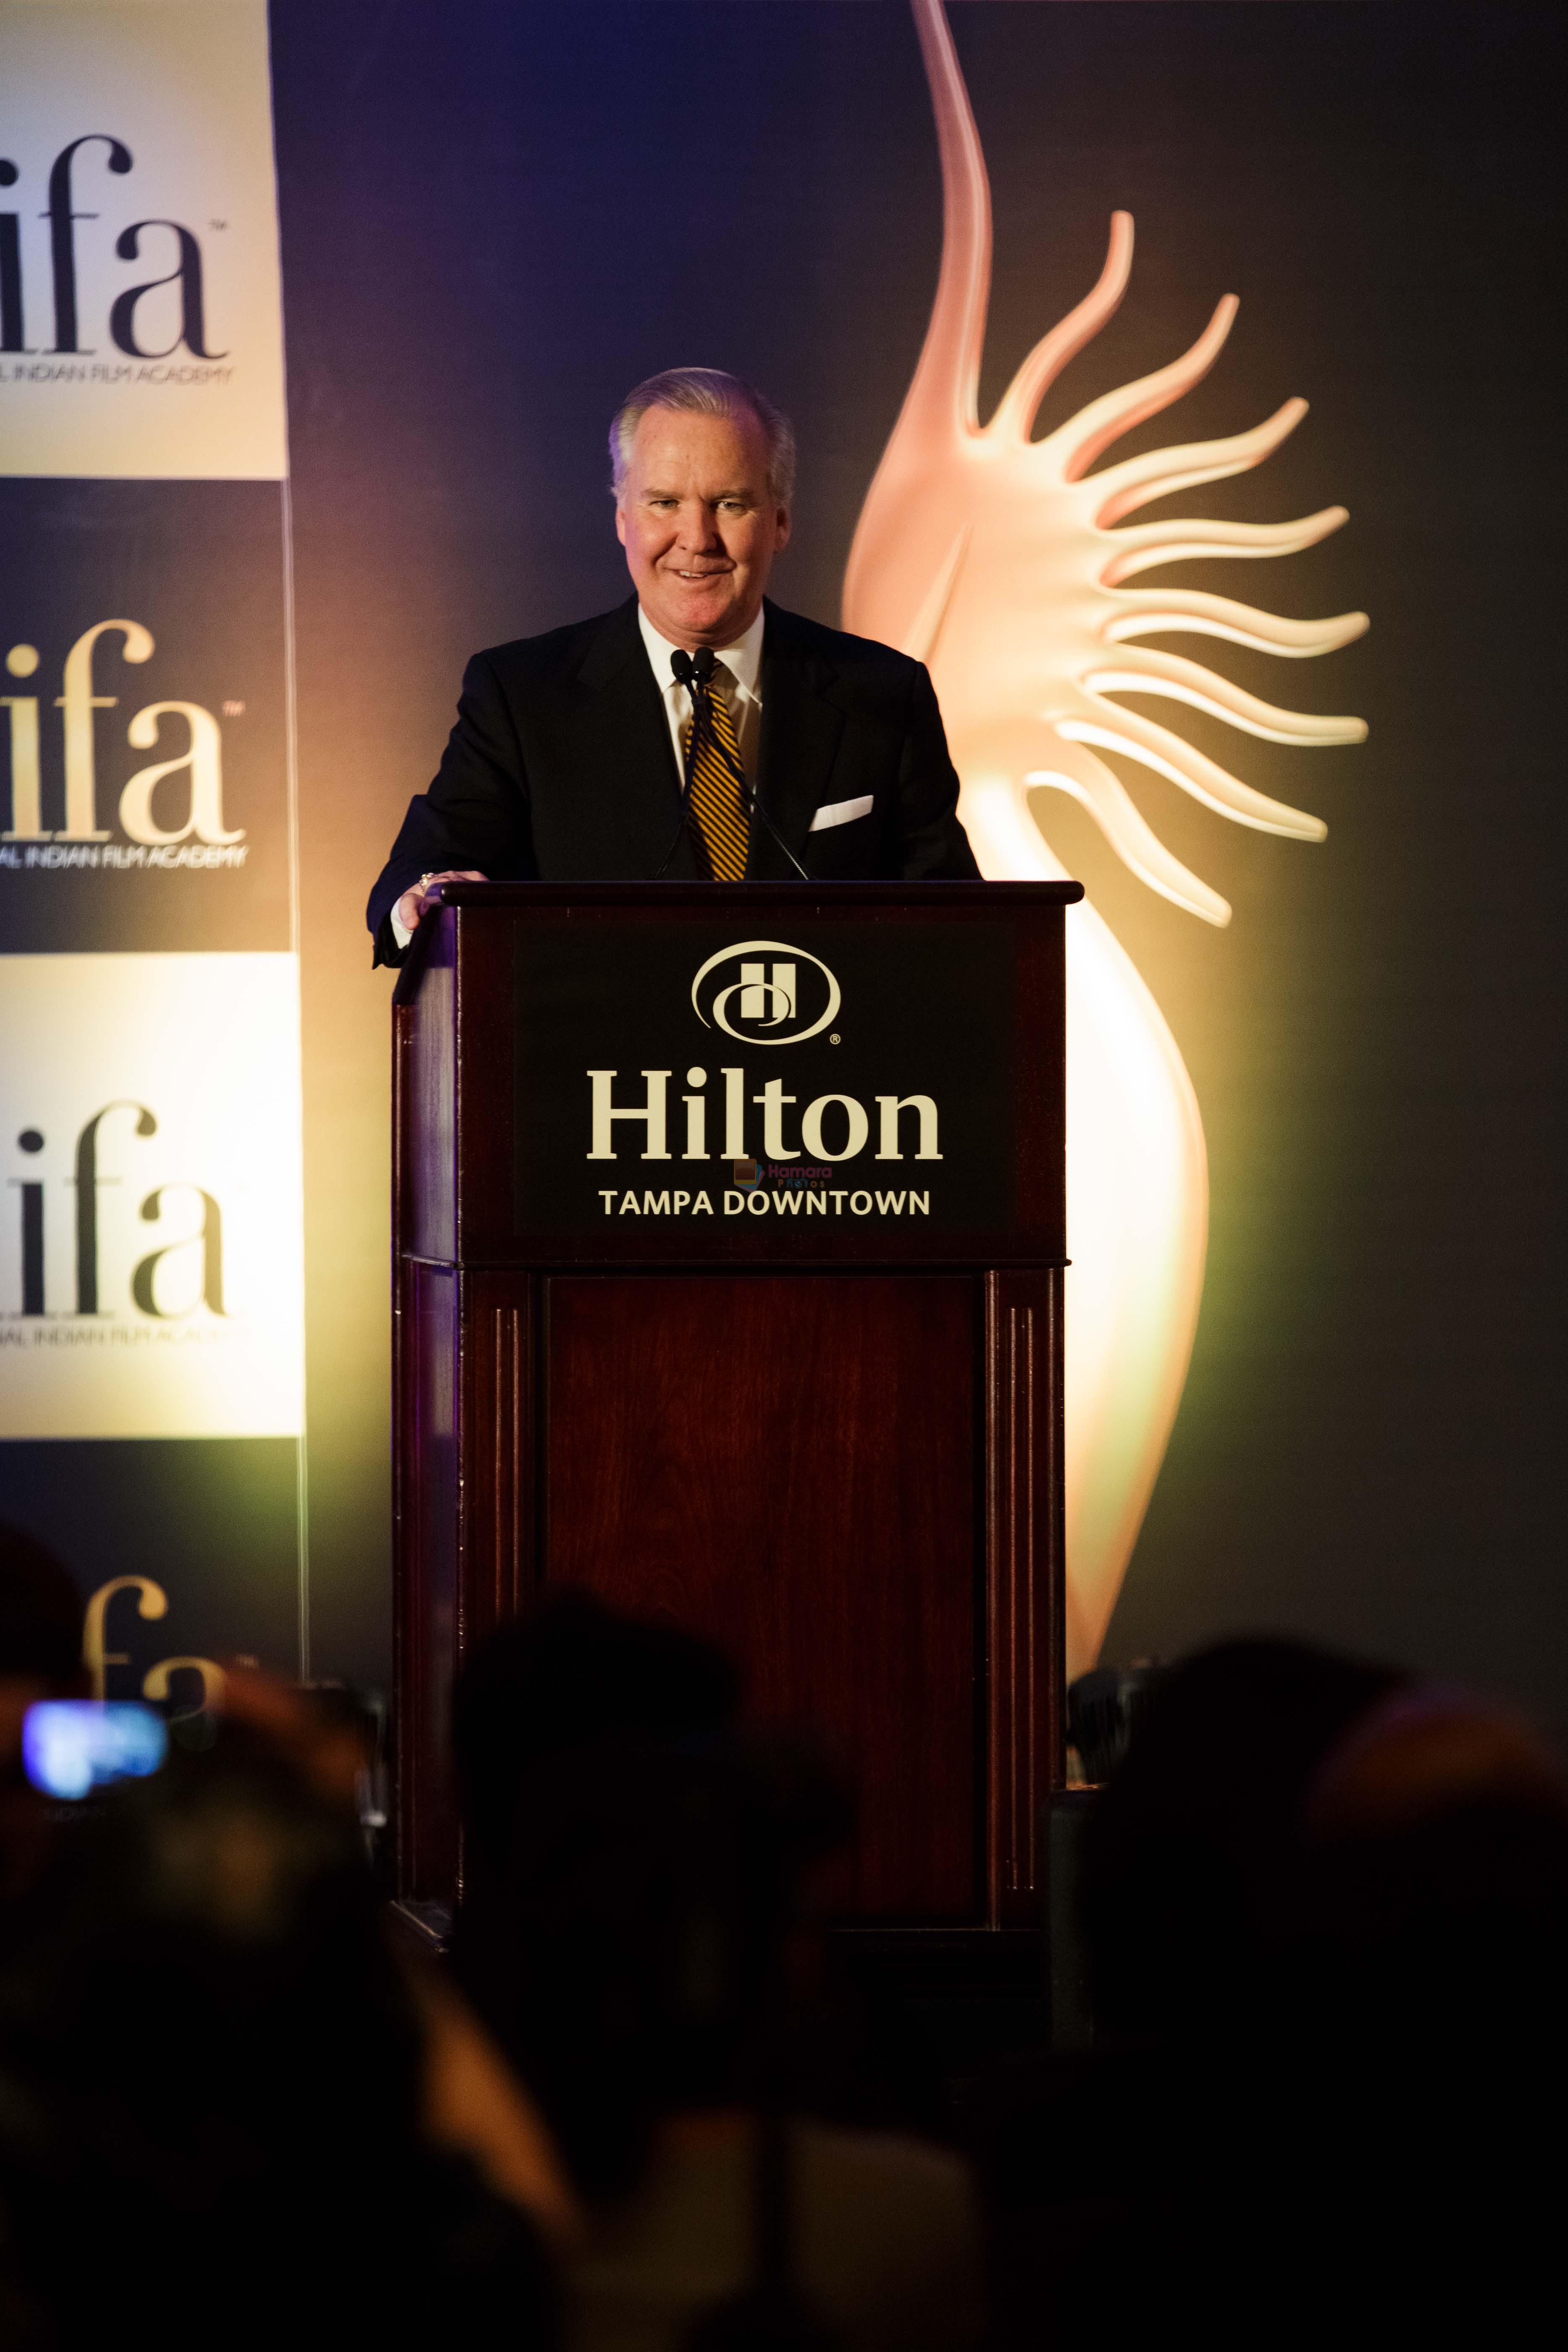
pixel 413 903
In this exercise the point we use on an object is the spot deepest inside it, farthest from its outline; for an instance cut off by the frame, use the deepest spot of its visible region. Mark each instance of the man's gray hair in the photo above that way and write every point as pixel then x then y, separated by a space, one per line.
pixel 705 392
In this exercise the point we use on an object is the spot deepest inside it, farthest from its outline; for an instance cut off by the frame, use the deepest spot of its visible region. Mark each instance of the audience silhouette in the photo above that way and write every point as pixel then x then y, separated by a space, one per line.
pixel 1325 1909
pixel 639 1942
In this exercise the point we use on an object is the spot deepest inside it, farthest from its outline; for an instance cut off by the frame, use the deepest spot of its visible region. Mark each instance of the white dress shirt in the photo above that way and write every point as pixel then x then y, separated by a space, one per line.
pixel 740 688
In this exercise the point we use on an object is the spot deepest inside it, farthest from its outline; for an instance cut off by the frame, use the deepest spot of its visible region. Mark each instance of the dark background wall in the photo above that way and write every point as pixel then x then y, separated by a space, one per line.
pixel 497 217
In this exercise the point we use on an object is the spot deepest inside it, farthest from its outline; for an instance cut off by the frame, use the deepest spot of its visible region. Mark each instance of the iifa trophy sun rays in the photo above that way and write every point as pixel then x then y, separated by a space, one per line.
pixel 999 561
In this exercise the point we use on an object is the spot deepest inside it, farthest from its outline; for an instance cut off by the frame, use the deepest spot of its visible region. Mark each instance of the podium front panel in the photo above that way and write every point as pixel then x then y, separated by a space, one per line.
pixel 728 1265
pixel 855 1074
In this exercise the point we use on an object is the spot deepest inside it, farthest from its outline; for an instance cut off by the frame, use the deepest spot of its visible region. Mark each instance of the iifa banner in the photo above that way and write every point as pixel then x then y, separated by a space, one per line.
pixel 145 789
pixel 150 1268
pixel 141 324
pixel 151 1276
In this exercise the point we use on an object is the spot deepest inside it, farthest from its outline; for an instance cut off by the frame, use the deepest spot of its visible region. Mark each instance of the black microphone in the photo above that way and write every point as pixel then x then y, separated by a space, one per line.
pixel 695 672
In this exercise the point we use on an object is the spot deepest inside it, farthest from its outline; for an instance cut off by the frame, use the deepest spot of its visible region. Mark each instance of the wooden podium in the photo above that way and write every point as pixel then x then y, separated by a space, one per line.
pixel 728 1246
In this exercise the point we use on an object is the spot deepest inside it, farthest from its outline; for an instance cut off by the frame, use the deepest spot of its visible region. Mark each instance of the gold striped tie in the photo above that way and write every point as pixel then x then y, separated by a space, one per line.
pixel 716 801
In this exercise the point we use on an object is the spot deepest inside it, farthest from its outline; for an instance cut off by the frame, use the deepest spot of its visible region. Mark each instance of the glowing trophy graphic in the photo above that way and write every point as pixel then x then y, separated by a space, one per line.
pixel 1000 562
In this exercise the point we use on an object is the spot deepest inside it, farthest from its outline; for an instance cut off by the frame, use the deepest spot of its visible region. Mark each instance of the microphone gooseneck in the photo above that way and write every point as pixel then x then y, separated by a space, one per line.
pixel 750 796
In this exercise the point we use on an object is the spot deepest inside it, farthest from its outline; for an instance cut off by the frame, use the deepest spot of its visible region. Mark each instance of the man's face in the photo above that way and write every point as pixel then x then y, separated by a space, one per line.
pixel 699 525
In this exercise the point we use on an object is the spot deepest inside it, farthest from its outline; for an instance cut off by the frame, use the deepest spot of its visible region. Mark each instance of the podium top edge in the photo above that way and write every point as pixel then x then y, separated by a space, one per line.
pixel 556 895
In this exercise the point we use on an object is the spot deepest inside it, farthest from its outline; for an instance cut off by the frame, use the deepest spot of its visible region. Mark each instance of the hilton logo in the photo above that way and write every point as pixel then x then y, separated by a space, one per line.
pixel 777 1004
pixel 782 1002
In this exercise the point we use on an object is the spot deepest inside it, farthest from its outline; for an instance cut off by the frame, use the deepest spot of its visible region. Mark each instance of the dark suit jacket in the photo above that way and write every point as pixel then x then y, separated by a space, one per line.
pixel 560 768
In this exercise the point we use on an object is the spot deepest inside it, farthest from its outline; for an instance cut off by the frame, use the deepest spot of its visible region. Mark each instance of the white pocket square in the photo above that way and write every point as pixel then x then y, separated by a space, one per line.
pixel 842 812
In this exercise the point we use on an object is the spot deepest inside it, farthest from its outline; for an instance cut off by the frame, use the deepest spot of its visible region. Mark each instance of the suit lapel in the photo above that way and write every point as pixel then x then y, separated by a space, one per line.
pixel 621 705
pixel 801 731
pixel 623 749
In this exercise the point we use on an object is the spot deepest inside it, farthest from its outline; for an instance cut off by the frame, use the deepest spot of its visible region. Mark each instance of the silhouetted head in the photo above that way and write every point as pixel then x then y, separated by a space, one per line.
pixel 1413 2016
pixel 1193 1843
pixel 1433 1911
pixel 569 1672
pixel 201 2037
pixel 40 1614
pixel 211 2070
pixel 40 1658
pixel 651 1895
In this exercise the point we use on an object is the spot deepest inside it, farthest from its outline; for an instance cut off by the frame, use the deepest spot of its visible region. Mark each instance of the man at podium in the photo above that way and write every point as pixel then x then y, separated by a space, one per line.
pixel 697 731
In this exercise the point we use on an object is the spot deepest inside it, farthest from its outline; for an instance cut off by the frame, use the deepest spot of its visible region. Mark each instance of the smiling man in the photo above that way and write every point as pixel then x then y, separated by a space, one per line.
pixel 817 754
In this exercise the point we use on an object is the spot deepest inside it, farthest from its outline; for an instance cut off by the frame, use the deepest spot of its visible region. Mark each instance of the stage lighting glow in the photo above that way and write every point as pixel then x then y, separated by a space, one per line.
pixel 1000 561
